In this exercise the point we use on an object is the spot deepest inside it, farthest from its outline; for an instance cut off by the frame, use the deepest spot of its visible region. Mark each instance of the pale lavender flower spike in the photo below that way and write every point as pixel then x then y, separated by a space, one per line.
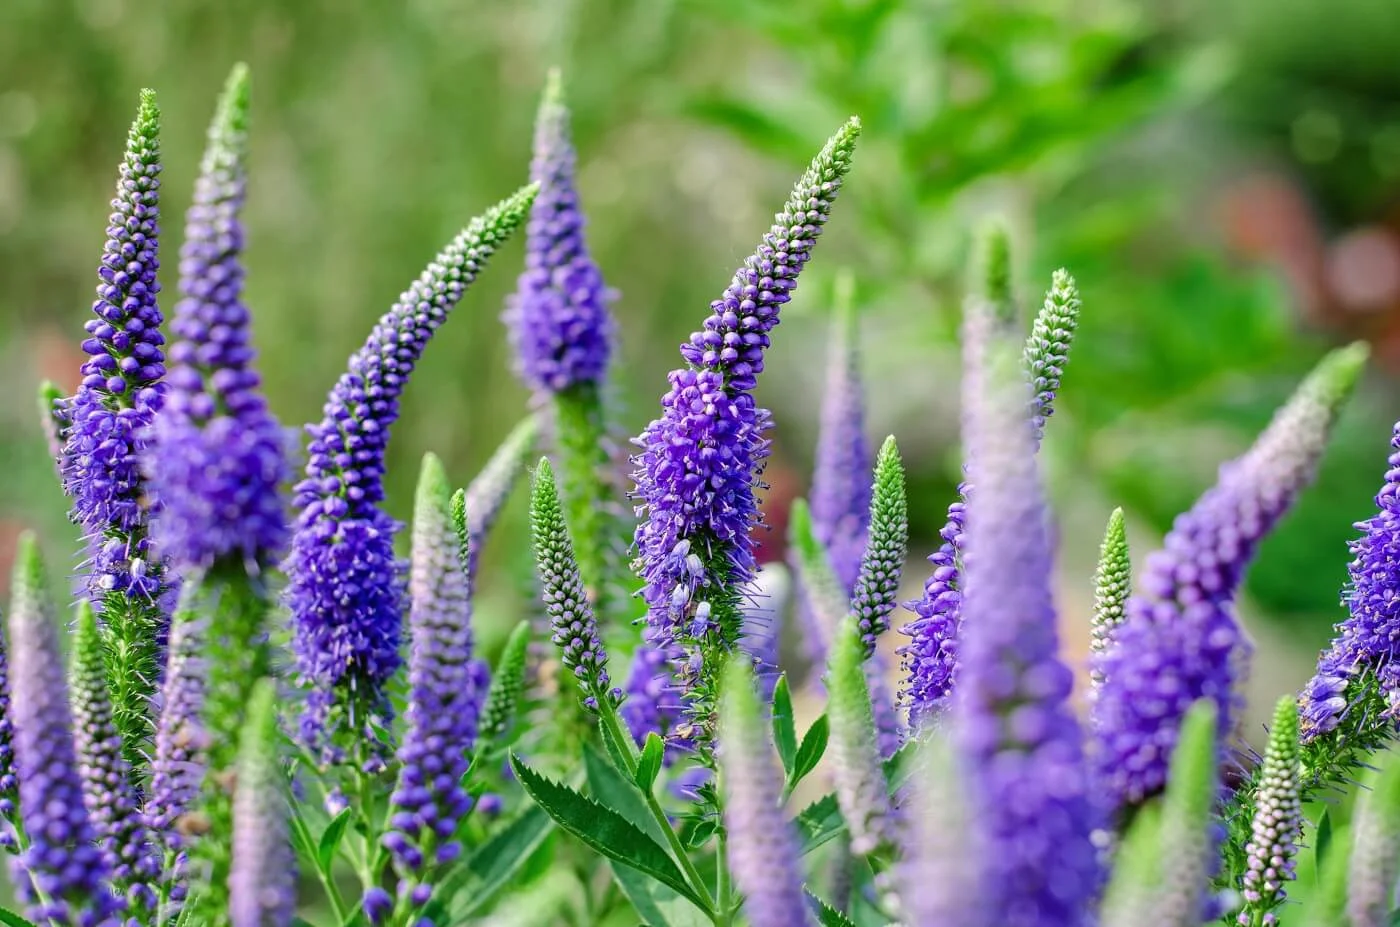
pixel 763 848
pixel 1028 782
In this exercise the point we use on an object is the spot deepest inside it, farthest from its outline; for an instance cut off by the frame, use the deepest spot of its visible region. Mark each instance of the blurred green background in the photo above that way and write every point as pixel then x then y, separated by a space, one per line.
pixel 1221 178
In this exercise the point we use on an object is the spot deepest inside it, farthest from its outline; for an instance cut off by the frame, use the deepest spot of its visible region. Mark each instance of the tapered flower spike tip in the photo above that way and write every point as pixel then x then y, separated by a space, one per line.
pixel 344 590
pixel 108 791
pixel 566 602
pixel 1187 844
pixel 840 495
pixel 763 855
pixel 262 877
pixel 1278 819
pixel 444 693
pixel 994 254
pixel 824 595
pixel 52 419
pixel 1375 851
pixel 886 549
pixel 1047 346
pixel 1180 639
pixel 63 857
pixel 1112 584
pixel 861 788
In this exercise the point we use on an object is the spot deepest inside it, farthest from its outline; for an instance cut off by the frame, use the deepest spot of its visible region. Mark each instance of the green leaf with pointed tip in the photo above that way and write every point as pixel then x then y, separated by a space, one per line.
pixel 819 823
pixel 809 754
pixel 650 764
pixel 330 840
pixel 494 864
pixel 603 829
pixel 612 788
pixel 784 724
pixel 657 905
pixel 11 919
pixel 1322 841
pixel 828 916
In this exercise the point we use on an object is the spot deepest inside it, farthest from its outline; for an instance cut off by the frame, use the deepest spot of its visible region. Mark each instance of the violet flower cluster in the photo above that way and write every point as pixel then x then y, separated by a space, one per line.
pixel 217 455
pixel 1024 752
pixel 930 659
pixel 346 587
pixel 558 318
pixel 1180 641
pixel 700 463
pixel 1366 641
pixel 444 696
pixel 62 874
pixel 122 386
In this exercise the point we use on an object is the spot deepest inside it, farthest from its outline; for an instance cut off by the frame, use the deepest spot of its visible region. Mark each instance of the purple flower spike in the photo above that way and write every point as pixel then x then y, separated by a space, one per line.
pixel 108 791
pixel 1027 778
pixel 762 847
pixel 62 862
pixel 122 387
pixel 1180 641
pixel 444 692
pixel 262 882
pixel 841 481
pixel 105 429
pixel 700 463
pixel 346 588
pixel 763 624
pixel 218 456
pixel 558 317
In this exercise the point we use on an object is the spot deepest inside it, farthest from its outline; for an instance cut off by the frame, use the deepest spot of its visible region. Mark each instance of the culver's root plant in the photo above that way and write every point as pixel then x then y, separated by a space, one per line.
pixel 267 717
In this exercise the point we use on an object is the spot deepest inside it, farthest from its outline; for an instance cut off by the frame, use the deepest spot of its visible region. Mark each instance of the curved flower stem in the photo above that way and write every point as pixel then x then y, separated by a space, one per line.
pixel 607 716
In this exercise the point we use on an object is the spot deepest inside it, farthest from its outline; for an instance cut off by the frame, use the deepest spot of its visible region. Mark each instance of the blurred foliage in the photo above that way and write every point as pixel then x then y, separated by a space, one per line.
pixel 1100 129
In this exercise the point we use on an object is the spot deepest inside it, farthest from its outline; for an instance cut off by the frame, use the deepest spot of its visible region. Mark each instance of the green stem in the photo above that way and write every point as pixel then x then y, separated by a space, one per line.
pixel 607 715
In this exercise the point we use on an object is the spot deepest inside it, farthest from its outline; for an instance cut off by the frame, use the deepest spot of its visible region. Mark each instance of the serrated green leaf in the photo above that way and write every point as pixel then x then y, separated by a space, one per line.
pixel 1322 841
pixel 495 863
pixel 784 724
pixel 649 766
pixel 614 790
pixel 809 754
pixel 330 840
pixel 701 832
pixel 819 823
pixel 828 916
pixel 603 829
pixel 11 919
pixel 617 752
pixel 656 904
